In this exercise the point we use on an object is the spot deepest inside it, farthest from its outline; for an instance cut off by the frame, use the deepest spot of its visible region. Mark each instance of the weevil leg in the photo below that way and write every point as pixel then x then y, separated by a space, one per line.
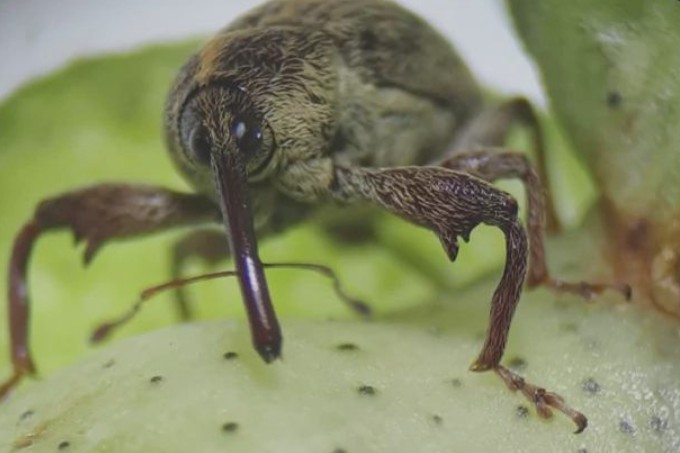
pixel 542 399
pixel 451 204
pixel 491 129
pixel 494 164
pixel 18 307
pixel 210 246
pixel 96 215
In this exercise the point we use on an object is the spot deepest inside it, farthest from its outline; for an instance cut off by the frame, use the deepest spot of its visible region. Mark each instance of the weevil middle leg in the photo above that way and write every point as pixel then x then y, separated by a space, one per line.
pixel 493 164
pixel 490 129
pixel 209 246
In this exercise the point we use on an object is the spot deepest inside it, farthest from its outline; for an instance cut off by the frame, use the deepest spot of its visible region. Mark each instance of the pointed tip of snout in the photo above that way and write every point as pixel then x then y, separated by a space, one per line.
pixel 270 351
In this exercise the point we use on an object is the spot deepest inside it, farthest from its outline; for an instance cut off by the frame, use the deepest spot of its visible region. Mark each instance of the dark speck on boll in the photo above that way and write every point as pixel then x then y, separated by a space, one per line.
pixel 231 355
pixel 230 427
pixel 367 390
pixel 522 411
pixel 658 424
pixel 626 426
pixel 26 415
pixel 455 382
pixel 591 386
pixel 614 99
pixel 347 347
pixel 517 364
pixel 109 364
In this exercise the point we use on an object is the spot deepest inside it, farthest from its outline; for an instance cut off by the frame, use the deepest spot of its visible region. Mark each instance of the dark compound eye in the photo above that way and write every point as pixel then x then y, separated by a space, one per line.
pixel 199 143
pixel 248 135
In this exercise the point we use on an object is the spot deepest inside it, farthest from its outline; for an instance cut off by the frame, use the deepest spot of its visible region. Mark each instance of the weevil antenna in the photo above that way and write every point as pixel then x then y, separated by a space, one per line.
pixel 106 329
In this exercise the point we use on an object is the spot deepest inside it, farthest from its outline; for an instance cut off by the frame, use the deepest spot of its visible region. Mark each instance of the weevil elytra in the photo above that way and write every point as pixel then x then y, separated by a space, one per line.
pixel 305 103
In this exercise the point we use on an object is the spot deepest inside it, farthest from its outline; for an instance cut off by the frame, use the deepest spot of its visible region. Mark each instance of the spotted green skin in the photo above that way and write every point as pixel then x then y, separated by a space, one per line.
pixel 398 385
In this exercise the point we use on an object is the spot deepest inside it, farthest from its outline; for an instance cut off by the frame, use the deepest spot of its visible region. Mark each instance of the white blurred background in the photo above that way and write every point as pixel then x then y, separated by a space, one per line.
pixel 37 36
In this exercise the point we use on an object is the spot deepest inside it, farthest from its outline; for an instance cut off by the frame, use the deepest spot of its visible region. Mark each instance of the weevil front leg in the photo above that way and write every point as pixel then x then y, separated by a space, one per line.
pixel 492 164
pixel 96 215
pixel 451 204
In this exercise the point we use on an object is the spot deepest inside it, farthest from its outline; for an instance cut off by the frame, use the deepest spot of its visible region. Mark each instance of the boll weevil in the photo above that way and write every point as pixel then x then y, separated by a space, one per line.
pixel 306 103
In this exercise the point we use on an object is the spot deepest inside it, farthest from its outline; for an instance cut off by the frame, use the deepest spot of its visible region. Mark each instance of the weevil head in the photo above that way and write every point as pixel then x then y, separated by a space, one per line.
pixel 219 122
pixel 264 94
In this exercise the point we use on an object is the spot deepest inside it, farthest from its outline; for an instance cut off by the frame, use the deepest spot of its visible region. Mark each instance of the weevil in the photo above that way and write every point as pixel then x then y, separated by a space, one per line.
pixel 301 104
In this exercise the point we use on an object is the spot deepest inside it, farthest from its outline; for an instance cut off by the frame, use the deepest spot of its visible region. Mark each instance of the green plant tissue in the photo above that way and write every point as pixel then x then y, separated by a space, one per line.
pixel 612 71
pixel 398 385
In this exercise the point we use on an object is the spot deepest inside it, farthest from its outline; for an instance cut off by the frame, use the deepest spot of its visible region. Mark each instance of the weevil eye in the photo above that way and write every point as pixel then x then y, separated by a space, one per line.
pixel 199 145
pixel 255 141
pixel 248 136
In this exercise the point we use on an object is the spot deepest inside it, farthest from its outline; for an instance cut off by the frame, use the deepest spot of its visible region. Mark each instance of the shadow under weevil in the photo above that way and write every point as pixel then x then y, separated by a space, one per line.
pixel 305 103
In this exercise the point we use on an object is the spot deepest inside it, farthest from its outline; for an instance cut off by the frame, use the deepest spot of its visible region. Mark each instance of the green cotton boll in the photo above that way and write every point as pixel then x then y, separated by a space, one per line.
pixel 397 385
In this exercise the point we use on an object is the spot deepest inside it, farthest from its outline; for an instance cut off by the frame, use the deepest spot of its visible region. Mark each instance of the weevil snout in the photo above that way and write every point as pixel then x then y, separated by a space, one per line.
pixel 227 140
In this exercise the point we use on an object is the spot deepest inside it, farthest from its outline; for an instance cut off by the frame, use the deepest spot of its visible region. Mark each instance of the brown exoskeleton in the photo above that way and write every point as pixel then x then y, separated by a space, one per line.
pixel 303 103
